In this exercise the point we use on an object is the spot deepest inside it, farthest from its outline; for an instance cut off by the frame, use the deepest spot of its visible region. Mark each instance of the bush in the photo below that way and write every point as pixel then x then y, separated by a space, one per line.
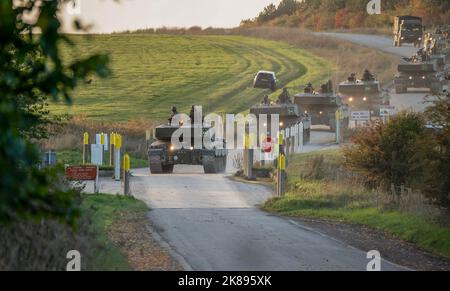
pixel 389 153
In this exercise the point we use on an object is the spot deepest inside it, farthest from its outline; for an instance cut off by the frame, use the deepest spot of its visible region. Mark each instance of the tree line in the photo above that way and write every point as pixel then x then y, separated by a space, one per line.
pixel 347 14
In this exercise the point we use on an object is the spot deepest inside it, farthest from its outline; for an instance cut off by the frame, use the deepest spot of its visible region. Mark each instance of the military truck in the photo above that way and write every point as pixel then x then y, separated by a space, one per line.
pixel 418 72
pixel 408 29
pixel 364 94
pixel 321 106
pixel 163 156
pixel 289 114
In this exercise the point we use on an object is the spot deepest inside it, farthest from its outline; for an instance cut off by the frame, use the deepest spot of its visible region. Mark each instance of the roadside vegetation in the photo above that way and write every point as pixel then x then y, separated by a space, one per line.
pixel 393 178
pixel 347 14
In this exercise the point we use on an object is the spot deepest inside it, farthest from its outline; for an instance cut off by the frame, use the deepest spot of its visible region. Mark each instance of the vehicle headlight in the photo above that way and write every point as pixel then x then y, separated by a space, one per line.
pixel 281 124
pixel 350 99
pixel 365 99
pixel 410 77
pixel 321 112
pixel 420 38
pixel 403 37
pixel 172 148
pixel 423 77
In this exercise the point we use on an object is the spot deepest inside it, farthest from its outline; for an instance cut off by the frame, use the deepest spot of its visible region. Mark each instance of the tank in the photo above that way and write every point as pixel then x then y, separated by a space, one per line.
pixel 163 156
pixel 289 115
pixel 321 107
pixel 417 73
pixel 363 95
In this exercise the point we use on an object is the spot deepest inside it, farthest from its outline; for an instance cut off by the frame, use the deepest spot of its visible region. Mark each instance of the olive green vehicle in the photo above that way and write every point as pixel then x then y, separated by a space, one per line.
pixel 418 73
pixel 288 112
pixel 321 106
pixel 163 156
pixel 364 94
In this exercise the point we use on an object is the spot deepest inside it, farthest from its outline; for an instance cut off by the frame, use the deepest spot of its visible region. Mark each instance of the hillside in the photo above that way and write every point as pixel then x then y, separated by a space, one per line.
pixel 152 73
pixel 348 14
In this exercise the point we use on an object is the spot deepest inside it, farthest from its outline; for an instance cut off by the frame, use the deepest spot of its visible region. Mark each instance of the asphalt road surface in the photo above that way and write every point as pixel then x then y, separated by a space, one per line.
pixel 414 99
pixel 213 223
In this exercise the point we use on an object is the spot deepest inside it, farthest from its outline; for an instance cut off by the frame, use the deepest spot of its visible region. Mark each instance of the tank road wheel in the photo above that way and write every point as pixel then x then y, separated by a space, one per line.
pixel 156 166
pixel 214 165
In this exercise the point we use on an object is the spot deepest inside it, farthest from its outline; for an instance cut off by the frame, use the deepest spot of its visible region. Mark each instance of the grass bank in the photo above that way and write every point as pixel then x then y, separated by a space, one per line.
pixel 104 211
pixel 341 197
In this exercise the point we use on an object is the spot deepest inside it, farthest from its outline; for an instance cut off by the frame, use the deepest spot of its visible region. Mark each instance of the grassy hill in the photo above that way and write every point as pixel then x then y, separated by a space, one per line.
pixel 152 73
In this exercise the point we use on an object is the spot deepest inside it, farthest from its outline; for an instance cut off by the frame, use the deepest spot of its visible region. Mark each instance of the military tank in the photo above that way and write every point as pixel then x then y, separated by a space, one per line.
pixel 163 155
pixel 288 112
pixel 364 94
pixel 418 72
pixel 321 106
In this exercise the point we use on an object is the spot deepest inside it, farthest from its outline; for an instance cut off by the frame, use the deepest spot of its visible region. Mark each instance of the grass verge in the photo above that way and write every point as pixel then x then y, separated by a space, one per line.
pixel 105 210
pixel 342 200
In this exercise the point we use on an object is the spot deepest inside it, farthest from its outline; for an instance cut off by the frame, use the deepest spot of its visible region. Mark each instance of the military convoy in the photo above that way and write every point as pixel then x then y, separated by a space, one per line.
pixel 320 106
pixel 163 155
pixel 288 112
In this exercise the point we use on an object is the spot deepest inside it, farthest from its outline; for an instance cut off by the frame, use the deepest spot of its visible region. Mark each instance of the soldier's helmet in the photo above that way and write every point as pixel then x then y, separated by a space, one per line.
pixel 174 109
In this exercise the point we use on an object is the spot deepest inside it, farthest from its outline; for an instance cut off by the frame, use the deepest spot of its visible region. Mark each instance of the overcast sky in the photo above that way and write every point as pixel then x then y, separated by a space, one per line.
pixel 108 16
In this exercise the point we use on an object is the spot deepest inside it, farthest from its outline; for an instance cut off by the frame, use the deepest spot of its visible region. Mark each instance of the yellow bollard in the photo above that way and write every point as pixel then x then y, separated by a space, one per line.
pixel 85 148
pixel 126 174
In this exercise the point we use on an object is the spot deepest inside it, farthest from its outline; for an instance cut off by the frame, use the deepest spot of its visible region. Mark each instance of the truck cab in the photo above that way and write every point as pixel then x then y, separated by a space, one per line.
pixel 408 29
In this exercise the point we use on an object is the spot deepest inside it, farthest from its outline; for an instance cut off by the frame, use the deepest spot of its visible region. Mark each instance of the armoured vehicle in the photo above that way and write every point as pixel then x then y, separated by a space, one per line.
pixel 321 106
pixel 364 94
pixel 408 29
pixel 265 80
pixel 163 155
pixel 418 72
pixel 288 112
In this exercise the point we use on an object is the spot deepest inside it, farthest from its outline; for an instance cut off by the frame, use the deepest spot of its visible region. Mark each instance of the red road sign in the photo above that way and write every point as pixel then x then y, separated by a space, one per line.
pixel 81 173
pixel 267 145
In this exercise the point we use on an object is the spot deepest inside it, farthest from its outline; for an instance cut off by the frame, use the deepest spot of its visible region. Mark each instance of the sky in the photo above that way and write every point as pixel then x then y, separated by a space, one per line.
pixel 108 16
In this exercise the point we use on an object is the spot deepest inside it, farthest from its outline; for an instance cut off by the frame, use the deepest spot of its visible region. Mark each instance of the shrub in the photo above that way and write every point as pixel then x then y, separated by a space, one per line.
pixel 389 153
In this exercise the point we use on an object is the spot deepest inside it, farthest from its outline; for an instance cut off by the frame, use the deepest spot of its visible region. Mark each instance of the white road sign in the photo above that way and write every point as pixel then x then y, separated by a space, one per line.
pixel 387 111
pixel 360 115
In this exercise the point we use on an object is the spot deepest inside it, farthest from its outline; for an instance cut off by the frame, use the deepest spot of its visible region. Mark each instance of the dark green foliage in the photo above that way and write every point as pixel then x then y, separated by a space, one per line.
pixel 31 71
pixel 389 153
pixel 437 176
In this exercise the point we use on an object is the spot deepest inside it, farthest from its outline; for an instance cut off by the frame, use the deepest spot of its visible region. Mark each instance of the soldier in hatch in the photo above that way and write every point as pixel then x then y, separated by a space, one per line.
pixel 174 113
pixel 367 76
pixel 309 88
pixel 284 97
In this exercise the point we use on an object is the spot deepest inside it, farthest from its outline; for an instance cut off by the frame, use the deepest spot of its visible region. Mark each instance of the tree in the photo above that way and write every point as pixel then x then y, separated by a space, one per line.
pixel 437 180
pixel 32 70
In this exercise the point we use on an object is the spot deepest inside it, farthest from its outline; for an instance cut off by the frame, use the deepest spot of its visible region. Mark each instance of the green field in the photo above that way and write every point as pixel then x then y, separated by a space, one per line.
pixel 152 73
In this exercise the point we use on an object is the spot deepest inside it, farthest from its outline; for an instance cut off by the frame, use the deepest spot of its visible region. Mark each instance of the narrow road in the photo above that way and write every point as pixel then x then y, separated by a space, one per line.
pixel 213 223
pixel 413 100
